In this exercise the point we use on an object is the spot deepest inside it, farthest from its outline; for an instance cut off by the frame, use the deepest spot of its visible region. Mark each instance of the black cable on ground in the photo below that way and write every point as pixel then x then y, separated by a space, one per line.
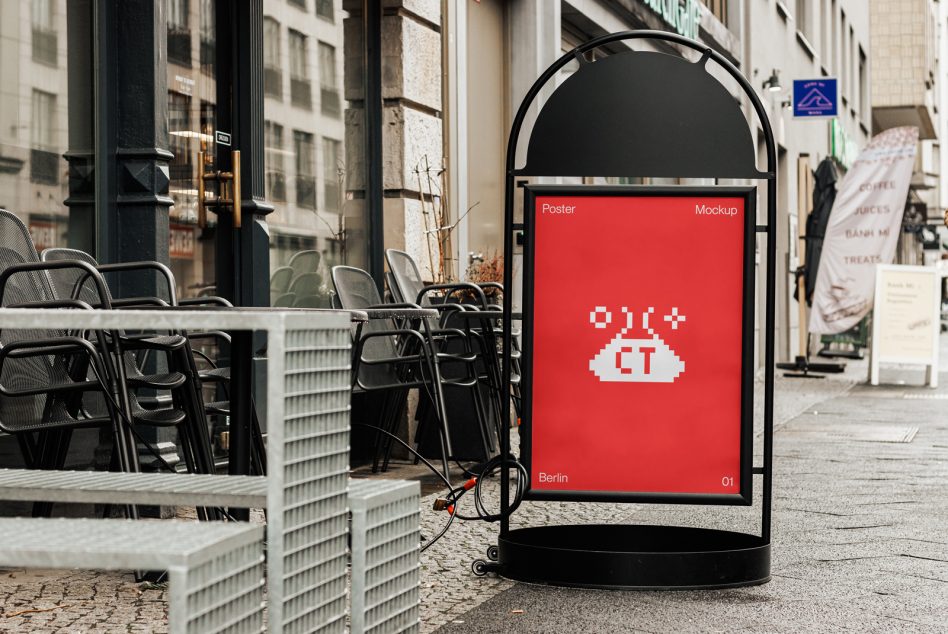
pixel 450 502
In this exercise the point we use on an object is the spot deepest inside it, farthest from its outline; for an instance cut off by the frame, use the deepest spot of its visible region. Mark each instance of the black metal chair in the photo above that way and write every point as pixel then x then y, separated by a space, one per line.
pixel 453 301
pixel 211 376
pixel 478 322
pixel 393 358
pixel 45 374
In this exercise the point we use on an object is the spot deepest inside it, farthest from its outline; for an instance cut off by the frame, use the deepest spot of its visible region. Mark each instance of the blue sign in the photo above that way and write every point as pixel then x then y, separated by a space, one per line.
pixel 815 97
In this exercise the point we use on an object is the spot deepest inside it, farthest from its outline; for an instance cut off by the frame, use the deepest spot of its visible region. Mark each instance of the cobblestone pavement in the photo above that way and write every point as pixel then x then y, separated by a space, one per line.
pixel 41 601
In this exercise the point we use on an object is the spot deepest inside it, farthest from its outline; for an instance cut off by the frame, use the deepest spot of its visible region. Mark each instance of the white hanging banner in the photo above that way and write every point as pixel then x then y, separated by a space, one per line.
pixel 863 230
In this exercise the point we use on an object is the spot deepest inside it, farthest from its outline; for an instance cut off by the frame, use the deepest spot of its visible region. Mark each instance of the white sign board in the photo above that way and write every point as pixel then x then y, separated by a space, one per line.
pixel 905 319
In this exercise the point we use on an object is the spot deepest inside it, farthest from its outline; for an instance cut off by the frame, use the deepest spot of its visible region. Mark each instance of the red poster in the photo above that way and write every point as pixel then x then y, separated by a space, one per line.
pixel 638 340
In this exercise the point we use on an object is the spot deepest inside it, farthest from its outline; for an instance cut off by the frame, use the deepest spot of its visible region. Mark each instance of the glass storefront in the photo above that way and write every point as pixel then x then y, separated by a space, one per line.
pixel 312 135
pixel 34 116
pixel 192 101
pixel 316 224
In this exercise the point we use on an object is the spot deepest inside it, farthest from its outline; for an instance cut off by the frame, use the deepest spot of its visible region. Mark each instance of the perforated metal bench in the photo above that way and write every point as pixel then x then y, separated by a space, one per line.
pixel 215 570
pixel 385 555
pixel 166 489
pixel 307 416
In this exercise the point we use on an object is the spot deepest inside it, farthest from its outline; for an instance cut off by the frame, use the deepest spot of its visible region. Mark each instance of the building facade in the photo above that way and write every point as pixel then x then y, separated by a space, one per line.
pixel 364 125
pixel 771 42
pixel 906 40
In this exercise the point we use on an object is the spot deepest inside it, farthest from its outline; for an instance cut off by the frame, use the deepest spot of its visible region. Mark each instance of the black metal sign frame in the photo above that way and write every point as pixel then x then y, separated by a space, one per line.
pixel 640 114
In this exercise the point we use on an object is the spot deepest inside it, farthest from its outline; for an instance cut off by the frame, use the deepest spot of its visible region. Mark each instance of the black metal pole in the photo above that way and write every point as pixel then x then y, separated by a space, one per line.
pixel 372 49
pixel 240 402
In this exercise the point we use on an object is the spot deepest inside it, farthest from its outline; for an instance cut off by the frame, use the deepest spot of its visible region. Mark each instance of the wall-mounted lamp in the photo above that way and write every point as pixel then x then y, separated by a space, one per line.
pixel 772 83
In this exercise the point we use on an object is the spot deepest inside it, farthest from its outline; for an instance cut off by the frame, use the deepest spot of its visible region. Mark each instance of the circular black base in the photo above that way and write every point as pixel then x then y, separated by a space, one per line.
pixel 634 557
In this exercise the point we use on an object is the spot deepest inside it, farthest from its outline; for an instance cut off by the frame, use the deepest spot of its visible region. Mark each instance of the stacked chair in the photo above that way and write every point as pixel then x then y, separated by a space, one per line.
pixel 472 412
pixel 211 380
pixel 55 382
pixel 398 349
pixel 49 379
pixel 479 325
pixel 299 284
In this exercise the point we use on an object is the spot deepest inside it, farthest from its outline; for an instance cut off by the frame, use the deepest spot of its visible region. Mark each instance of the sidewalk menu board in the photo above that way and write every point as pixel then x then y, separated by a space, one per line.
pixel 905 319
pixel 638 343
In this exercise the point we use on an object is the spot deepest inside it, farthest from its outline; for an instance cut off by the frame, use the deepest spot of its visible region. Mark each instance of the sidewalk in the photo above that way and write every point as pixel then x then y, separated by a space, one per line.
pixel 860 539
pixel 859 544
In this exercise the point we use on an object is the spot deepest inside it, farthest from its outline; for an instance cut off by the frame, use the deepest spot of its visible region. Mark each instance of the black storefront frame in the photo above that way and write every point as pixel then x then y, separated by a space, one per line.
pixel 119 161
pixel 124 143
pixel 749 196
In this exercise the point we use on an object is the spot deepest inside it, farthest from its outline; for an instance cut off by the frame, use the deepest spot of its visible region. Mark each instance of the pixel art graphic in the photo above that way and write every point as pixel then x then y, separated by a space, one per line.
pixel 646 358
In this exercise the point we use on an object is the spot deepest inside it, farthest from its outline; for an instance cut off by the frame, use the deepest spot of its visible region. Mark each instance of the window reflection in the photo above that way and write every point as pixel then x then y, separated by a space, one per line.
pixel 34 119
pixel 305 136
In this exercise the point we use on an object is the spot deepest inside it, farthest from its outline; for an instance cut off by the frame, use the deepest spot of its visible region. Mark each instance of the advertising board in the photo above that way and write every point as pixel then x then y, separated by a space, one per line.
pixel 638 343
pixel 905 319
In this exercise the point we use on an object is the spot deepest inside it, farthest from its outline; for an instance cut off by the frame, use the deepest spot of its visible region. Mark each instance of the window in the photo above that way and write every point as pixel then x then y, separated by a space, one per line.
pixel 834 38
pixel 42 14
pixel 208 120
pixel 324 9
pixel 328 82
pixel 298 67
pixel 179 33
pixel 853 88
pixel 844 62
pixel 300 91
pixel 332 171
pixel 272 71
pixel 305 153
pixel 275 168
pixel 44 160
pixel 863 87
pixel 719 9
pixel 180 133
pixel 802 17
pixel 208 36
pixel 178 15
pixel 44 37
pixel 300 4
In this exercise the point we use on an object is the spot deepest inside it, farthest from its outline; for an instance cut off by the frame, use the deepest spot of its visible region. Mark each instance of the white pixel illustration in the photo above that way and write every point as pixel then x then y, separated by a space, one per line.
pixel 643 359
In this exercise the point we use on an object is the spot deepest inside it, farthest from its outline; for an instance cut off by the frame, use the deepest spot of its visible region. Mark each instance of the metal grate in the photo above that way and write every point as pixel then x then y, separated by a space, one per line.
pixel 307 413
pixel 215 569
pixel 308 592
pixel 109 487
pixel 224 594
pixel 849 432
pixel 385 551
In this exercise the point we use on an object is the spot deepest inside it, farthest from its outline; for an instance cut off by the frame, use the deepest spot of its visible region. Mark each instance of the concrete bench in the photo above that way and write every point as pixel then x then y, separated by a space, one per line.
pixel 215 570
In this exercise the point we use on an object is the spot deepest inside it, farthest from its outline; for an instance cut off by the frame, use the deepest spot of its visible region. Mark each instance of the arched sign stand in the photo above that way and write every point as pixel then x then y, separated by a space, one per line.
pixel 662 412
